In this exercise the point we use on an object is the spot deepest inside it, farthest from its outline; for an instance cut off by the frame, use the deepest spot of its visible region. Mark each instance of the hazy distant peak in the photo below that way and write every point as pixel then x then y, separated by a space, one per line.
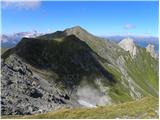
pixel 151 49
pixel 128 45
pixel 150 46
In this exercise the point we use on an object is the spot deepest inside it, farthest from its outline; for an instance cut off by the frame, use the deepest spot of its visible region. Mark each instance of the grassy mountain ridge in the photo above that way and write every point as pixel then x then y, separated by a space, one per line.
pixel 62 53
pixel 80 69
pixel 145 74
pixel 145 108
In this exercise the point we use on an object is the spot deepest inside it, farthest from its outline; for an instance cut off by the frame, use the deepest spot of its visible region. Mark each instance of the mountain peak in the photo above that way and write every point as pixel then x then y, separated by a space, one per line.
pixel 127 40
pixel 74 30
pixel 79 32
pixel 151 49
pixel 77 27
pixel 128 45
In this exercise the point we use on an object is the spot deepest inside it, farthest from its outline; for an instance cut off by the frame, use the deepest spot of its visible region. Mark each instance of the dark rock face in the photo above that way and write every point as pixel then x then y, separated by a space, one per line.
pixel 25 93
pixel 36 94
pixel 70 60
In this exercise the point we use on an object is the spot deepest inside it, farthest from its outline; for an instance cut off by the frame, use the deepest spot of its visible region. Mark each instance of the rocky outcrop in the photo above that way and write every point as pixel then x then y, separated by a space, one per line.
pixel 25 92
pixel 128 45
pixel 151 49
pixel 66 65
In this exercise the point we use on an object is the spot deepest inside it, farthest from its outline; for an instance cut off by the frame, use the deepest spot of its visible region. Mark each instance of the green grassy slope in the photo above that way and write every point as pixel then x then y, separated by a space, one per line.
pixel 144 108
pixel 144 70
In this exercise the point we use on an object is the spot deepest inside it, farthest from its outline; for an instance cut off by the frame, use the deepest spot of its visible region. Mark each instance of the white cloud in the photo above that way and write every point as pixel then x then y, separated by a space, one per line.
pixel 129 26
pixel 21 4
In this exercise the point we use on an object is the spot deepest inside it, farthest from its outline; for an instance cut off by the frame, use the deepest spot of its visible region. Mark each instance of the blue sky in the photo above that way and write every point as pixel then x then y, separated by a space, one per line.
pixel 100 18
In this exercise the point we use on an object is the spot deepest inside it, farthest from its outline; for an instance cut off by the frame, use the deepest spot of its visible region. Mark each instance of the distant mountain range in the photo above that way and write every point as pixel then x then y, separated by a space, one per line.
pixel 75 69
pixel 11 40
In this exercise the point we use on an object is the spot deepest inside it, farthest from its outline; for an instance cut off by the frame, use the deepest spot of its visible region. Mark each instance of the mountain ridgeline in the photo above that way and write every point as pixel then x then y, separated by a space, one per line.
pixel 73 68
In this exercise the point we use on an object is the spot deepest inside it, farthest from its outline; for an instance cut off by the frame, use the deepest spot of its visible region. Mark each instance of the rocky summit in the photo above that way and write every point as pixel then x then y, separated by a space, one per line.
pixel 151 49
pixel 128 45
pixel 73 68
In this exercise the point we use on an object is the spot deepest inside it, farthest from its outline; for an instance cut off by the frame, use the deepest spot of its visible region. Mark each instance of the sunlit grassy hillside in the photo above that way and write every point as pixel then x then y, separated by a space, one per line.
pixel 144 108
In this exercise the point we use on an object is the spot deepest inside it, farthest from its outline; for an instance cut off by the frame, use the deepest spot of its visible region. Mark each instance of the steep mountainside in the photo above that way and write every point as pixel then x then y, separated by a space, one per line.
pixel 73 68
